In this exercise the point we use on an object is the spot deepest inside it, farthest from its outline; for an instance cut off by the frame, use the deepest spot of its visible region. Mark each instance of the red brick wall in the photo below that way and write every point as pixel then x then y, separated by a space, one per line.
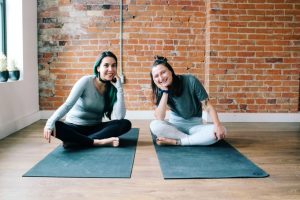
pixel 254 55
pixel 245 53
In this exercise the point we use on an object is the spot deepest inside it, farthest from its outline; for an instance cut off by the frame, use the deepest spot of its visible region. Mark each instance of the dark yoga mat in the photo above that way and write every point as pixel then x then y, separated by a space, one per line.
pixel 220 160
pixel 95 162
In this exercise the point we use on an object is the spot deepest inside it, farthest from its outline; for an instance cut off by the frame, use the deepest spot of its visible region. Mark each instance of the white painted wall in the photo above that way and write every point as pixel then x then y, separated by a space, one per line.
pixel 19 101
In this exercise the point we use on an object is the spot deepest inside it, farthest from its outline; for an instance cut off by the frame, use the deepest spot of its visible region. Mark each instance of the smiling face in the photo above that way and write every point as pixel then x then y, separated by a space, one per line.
pixel 107 68
pixel 162 76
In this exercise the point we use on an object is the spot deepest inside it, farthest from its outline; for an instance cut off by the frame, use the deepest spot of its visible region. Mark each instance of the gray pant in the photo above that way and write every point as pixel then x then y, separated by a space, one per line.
pixel 189 131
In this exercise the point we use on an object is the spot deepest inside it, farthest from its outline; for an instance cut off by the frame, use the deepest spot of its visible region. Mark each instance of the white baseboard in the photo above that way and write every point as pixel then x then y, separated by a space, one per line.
pixel 15 125
pixel 141 114
pixel 45 114
pixel 224 117
pixel 258 117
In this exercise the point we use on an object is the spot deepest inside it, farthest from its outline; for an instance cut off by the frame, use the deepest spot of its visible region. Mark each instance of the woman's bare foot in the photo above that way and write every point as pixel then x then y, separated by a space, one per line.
pixel 166 141
pixel 112 141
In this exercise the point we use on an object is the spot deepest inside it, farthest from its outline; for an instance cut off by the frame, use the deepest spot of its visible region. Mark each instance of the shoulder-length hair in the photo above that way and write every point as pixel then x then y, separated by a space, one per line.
pixel 110 93
pixel 175 87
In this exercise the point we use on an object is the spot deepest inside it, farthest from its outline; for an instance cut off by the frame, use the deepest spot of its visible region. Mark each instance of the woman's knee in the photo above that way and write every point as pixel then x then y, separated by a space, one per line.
pixel 205 129
pixel 58 123
pixel 125 124
pixel 60 126
pixel 156 126
pixel 202 135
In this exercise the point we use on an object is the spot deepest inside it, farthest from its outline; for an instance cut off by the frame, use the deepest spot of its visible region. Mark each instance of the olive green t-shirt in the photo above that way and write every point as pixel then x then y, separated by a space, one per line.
pixel 188 104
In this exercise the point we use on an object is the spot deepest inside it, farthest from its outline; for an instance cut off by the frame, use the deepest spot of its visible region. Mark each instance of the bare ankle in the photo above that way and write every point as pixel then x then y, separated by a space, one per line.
pixel 112 141
pixel 167 141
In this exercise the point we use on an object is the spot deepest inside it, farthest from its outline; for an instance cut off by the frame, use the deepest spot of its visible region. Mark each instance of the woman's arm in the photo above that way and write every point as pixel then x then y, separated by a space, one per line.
pixel 219 129
pixel 64 108
pixel 160 111
pixel 119 109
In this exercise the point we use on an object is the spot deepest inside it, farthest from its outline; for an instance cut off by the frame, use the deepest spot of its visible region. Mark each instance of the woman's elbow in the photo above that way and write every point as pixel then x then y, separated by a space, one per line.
pixel 159 117
pixel 119 116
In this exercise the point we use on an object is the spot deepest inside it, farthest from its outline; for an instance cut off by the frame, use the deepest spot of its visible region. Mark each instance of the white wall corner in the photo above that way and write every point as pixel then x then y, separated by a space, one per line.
pixel 17 124
pixel 257 117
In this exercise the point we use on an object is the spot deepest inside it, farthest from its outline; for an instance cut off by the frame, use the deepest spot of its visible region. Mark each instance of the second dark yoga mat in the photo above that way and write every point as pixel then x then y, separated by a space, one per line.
pixel 95 162
pixel 220 160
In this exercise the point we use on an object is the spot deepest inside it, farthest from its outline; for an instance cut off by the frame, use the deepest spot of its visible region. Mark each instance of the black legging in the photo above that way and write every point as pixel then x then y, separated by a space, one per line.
pixel 84 135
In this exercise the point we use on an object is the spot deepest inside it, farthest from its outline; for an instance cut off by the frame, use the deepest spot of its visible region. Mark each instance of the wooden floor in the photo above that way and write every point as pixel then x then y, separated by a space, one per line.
pixel 275 147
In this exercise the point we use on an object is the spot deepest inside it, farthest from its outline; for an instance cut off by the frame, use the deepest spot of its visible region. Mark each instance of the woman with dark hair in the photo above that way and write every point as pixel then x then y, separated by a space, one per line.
pixel 92 98
pixel 186 97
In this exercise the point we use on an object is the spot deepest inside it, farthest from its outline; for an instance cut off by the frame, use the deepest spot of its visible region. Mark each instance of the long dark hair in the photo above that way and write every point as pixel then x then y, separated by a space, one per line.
pixel 175 87
pixel 110 93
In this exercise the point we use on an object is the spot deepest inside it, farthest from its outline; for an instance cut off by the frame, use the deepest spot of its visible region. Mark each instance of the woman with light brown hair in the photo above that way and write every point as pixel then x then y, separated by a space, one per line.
pixel 186 97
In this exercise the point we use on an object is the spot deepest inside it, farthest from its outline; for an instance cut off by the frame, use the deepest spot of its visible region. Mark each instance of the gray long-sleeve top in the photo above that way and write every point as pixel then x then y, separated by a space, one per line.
pixel 84 105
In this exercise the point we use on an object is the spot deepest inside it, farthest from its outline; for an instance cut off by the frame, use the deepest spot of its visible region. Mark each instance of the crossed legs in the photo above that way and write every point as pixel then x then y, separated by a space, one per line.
pixel 105 134
pixel 168 134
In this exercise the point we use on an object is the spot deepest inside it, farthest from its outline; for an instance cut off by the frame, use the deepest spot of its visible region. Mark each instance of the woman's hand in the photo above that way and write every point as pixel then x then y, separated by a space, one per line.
pixel 117 83
pixel 162 87
pixel 48 134
pixel 220 132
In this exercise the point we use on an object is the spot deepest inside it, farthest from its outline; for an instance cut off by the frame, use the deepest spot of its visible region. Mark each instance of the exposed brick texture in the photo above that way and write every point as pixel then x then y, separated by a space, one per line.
pixel 253 55
pixel 246 54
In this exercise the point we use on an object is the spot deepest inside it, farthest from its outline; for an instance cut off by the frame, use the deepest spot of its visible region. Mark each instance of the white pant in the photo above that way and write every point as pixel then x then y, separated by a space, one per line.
pixel 189 131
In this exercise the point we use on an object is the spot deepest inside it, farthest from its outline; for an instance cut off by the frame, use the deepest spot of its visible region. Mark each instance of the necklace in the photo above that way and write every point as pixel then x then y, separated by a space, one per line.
pixel 103 81
pixel 100 79
pixel 100 86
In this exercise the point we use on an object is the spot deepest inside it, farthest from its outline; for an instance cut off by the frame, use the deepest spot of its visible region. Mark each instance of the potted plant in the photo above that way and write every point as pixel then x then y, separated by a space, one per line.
pixel 3 68
pixel 13 71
